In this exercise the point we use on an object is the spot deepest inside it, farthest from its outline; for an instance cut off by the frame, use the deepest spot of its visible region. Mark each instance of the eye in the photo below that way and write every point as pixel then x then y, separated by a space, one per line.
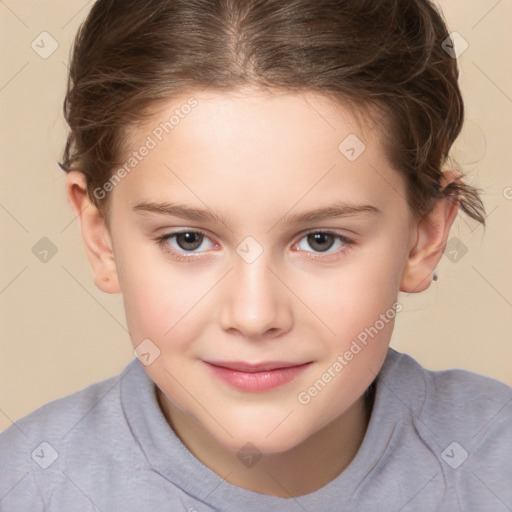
pixel 180 242
pixel 323 241
pixel 184 245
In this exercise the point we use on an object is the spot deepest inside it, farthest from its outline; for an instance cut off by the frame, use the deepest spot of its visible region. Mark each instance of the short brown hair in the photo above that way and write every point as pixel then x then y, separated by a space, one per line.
pixel 129 55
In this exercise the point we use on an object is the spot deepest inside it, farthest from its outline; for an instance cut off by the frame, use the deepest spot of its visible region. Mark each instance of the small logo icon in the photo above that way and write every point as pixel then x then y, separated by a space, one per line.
pixel 146 352
pixel 44 455
pixel 249 249
pixel 351 147
pixel 249 455
pixel 44 250
pixel 454 455
pixel 455 249
pixel 44 45
pixel 455 45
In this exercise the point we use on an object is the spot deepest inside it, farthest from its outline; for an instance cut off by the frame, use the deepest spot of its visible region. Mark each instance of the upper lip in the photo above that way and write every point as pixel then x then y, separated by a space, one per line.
pixel 242 366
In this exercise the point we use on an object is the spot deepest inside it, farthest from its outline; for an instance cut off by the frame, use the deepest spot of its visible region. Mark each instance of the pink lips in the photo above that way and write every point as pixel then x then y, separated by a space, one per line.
pixel 255 377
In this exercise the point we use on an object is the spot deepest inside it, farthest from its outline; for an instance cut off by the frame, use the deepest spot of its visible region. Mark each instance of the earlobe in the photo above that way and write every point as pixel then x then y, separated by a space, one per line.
pixel 95 233
pixel 431 235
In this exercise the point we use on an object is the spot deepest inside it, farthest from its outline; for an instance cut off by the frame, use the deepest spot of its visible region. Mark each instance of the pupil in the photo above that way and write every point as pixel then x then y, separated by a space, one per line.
pixel 316 240
pixel 186 240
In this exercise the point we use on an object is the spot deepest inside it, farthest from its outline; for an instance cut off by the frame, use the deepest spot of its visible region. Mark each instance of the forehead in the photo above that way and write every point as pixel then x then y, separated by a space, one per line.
pixel 258 147
pixel 250 115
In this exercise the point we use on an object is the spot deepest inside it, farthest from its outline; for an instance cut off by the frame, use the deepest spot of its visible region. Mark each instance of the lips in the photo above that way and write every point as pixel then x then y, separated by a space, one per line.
pixel 241 366
pixel 258 377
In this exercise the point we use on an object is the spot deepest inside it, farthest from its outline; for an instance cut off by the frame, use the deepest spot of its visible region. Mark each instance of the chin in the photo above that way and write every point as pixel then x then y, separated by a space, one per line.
pixel 246 439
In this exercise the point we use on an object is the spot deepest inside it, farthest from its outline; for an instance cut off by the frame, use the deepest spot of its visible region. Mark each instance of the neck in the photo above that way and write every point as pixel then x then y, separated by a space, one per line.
pixel 303 469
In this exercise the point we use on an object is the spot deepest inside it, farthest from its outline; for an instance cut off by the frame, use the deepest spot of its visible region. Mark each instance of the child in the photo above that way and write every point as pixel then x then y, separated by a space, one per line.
pixel 215 146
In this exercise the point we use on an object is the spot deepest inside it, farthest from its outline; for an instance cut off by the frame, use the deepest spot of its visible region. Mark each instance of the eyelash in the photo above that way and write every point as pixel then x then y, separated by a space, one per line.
pixel 348 245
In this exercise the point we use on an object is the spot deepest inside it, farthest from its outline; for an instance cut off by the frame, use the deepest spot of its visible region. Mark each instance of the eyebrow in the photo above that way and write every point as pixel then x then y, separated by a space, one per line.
pixel 336 210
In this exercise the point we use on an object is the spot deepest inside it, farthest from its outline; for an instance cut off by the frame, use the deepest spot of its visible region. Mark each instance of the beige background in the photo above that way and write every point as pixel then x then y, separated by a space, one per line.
pixel 60 334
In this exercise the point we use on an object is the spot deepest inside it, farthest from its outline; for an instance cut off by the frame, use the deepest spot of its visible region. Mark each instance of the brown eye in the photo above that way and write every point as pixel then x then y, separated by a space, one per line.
pixel 185 243
pixel 189 240
pixel 320 241
pixel 324 244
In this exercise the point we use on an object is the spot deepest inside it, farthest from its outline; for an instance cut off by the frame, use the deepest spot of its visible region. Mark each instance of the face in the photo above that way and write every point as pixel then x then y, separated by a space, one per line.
pixel 259 234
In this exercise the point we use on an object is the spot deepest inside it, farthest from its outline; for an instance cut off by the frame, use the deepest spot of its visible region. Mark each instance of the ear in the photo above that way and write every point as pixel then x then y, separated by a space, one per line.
pixel 431 232
pixel 95 233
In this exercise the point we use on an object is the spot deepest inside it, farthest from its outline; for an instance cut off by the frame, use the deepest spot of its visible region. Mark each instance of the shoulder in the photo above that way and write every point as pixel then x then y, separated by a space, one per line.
pixel 36 449
pixel 60 415
pixel 463 419
pixel 455 395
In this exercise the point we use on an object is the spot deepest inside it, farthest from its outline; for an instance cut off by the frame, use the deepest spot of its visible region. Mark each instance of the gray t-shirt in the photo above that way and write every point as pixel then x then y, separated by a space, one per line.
pixel 436 441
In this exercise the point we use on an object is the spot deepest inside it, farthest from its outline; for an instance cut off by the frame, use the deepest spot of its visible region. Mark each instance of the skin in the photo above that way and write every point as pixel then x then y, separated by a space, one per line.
pixel 253 158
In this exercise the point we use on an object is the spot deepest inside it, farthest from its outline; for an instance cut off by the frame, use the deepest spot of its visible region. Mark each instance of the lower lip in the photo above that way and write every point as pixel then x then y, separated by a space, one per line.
pixel 257 381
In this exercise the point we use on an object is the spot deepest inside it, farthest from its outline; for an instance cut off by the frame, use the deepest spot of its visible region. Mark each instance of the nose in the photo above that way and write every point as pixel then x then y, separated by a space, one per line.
pixel 255 302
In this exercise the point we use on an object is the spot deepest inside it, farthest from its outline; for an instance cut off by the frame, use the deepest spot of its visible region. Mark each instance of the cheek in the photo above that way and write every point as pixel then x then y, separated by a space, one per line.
pixel 353 297
pixel 159 299
pixel 166 301
pixel 360 306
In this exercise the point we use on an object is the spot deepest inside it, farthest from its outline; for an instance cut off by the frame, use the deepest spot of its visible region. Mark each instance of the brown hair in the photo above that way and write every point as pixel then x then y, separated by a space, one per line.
pixel 384 54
